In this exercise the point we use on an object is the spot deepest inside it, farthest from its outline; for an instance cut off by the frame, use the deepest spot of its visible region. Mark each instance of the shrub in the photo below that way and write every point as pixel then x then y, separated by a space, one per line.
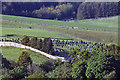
pixel 13 64
pixel 110 75
pixel 5 73
pixel 18 72
pixel 24 59
pixel 50 65
pixel 37 75
pixel 6 63
pixel 62 71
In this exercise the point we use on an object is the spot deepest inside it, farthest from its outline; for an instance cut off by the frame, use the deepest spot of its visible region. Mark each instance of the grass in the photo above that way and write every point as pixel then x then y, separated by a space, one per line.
pixel 12 53
pixel 103 23
pixel 58 32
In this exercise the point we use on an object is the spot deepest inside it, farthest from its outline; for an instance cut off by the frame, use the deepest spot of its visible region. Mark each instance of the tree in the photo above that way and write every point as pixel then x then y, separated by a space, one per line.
pixel 102 63
pixel 61 71
pixel 88 10
pixel 33 42
pixel 48 46
pixel 50 65
pixel 61 11
pixel 78 55
pixel 39 44
pixel 79 69
pixel 25 40
pixel 111 48
pixel 24 59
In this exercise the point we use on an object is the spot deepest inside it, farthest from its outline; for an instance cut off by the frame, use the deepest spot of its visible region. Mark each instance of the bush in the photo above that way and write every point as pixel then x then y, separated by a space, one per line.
pixel 13 64
pixel 18 72
pixel 24 59
pixel 5 73
pixel 37 75
pixel 50 65
pixel 6 63
pixel 110 75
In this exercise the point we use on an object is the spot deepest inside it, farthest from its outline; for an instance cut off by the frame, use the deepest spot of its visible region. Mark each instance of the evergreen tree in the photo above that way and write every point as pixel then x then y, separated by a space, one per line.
pixel 48 46
pixel 24 59
pixel 25 40
pixel 33 42
pixel 39 44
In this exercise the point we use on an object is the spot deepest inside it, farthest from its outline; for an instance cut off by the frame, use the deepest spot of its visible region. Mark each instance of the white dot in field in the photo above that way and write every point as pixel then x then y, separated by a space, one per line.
pixel 109 26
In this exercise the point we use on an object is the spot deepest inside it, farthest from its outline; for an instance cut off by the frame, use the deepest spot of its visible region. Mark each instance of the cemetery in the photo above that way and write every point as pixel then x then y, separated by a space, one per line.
pixel 61 47
pixel 61 40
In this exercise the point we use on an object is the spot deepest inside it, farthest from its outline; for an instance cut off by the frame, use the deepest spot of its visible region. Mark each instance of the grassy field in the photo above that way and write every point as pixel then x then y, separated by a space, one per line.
pixel 12 53
pixel 59 32
pixel 103 23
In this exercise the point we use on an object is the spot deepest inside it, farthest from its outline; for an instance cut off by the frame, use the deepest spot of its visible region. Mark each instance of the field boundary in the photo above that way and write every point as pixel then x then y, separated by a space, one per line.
pixel 32 49
pixel 86 28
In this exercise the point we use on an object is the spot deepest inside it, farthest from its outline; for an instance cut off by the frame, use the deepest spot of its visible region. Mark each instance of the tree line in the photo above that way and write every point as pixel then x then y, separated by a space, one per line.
pixel 97 9
pixel 61 10
pixel 45 45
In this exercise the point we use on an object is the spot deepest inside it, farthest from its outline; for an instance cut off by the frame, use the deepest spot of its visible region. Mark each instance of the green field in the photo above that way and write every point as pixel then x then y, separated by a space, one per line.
pixel 60 32
pixel 15 52
pixel 103 23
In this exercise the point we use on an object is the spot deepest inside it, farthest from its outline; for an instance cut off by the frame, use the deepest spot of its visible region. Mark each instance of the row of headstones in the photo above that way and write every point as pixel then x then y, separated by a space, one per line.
pixel 68 47
pixel 11 40
pixel 79 47
pixel 71 43
pixel 89 46
pixel 66 42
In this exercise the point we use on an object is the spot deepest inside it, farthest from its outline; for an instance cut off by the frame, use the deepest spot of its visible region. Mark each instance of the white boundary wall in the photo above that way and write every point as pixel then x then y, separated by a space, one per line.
pixel 32 49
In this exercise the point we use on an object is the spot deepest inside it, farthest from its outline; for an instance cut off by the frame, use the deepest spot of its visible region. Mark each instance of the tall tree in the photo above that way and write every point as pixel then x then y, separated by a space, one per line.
pixel 24 59
pixel 25 40
pixel 33 42
pixel 39 44
pixel 48 46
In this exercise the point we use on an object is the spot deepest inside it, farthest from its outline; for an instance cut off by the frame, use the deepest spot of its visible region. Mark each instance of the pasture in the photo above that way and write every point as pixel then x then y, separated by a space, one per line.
pixel 102 23
pixel 53 30
pixel 15 52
